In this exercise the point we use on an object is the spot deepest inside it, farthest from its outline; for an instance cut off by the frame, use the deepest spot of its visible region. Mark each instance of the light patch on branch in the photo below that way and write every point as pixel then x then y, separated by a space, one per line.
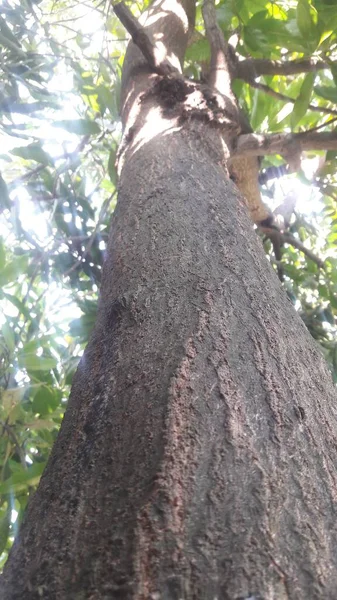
pixel 155 54
pixel 219 76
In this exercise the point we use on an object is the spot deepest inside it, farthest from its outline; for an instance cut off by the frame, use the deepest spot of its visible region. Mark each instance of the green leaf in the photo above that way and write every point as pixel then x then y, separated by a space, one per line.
pixel 81 328
pixel 253 38
pixel 2 254
pixel 8 335
pixel 332 238
pixel 22 308
pixel 304 17
pixel 71 370
pixel 333 68
pixel 267 34
pixel 333 301
pixel 4 195
pixel 199 51
pixel 8 40
pixel 328 316
pixel 34 152
pixel 224 13
pixel 45 400
pixel 112 165
pixel 328 92
pixel 4 531
pixel 33 346
pixel 13 269
pixel 303 99
pixel 331 155
pixel 78 126
pixel 22 479
pixel 258 19
pixel 41 424
pixel 107 98
pixel 31 362
pixel 6 32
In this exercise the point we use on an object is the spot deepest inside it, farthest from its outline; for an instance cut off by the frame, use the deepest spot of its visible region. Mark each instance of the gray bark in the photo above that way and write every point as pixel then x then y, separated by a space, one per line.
pixel 197 458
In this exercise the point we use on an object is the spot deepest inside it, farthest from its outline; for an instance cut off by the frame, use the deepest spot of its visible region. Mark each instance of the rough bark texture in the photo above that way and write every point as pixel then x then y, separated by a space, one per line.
pixel 197 458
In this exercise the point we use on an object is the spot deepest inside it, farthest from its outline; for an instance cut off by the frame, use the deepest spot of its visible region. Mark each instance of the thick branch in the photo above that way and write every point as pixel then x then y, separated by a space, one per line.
pixel 250 67
pixel 281 143
pixel 220 76
pixel 167 26
pixel 139 36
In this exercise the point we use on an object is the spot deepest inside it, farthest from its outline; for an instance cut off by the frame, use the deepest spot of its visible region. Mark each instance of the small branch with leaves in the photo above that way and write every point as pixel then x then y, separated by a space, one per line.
pixel 8 429
pixel 288 238
pixel 268 90
pixel 278 239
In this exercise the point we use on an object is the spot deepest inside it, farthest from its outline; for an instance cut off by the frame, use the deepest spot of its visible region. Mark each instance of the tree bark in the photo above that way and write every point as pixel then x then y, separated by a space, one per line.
pixel 197 457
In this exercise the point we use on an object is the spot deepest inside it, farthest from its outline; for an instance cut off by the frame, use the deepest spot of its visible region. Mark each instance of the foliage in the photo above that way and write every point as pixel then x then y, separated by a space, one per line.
pixel 60 80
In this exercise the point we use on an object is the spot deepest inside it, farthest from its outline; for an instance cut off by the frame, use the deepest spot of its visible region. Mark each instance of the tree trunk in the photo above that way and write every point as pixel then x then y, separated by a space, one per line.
pixel 197 458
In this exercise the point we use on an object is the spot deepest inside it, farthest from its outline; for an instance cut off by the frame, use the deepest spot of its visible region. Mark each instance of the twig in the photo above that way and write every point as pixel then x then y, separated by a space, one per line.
pixel 27 175
pixel 278 239
pixel 139 36
pixel 255 67
pixel 66 155
pixel 322 125
pixel 253 144
pixel 288 238
pixel 8 429
pixel 284 98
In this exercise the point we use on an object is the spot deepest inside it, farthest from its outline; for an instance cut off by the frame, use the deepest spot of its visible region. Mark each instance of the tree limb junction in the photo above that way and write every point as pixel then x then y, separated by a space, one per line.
pixel 142 40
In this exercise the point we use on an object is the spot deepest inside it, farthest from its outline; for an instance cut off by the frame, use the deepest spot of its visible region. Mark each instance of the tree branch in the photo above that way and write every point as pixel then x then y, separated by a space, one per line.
pixel 251 67
pixel 288 238
pixel 253 144
pixel 6 427
pixel 220 67
pixel 141 39
pixel 284 98
pixel 278 239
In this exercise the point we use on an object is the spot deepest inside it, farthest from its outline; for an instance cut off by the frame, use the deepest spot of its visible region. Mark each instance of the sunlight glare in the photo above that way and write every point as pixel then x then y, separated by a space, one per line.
pixel 32 218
